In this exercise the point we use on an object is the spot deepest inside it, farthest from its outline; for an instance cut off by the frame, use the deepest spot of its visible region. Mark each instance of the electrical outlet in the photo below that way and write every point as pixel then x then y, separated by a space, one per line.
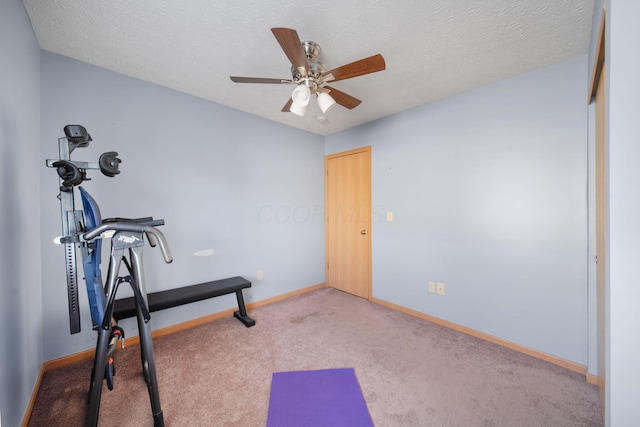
pixel 440 288
pixel 260 275
pixel 390 216
pixel 432 286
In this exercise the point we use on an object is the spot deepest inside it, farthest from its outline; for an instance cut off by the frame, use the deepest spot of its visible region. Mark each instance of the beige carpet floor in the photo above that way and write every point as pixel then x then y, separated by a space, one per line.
pixel 412 372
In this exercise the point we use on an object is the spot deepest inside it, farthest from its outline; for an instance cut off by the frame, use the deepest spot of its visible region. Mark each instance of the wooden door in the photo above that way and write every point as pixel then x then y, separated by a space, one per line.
pixel 601 235
pixel 348 221
pixel 598 91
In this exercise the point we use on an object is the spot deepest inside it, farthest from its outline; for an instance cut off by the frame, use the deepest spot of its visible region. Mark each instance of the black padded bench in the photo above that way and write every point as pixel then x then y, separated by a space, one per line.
pixel 126 307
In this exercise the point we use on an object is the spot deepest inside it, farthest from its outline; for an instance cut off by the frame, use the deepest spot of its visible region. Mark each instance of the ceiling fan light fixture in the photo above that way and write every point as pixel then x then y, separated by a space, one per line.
pixel 301 95
pixel 309 74
pixel 325 102
pixel 298 109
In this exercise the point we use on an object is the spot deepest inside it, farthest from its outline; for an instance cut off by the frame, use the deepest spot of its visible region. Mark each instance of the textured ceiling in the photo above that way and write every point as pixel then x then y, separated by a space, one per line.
pixel 433 48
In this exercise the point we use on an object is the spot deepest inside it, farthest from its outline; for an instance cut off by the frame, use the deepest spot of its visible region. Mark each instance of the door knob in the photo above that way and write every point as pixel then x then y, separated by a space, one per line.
pixel 363 232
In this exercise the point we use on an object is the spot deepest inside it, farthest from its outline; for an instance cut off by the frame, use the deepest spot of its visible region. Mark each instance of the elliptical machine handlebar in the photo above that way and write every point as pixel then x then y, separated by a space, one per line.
pixel 155 236
pixel 162 242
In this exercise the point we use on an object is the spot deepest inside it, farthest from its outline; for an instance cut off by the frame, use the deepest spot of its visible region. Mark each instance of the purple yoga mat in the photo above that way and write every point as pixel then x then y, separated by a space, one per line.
pixel 324 398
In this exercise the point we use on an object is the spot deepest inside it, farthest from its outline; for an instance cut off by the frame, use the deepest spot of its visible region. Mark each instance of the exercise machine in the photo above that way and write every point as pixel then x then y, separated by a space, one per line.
pixel 73 173
pixel 84 230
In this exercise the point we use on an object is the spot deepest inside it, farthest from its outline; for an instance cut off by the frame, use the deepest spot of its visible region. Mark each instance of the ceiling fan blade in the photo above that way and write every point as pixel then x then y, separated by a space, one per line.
pixel 343 99
pixel 258 80
pixel 368 65
pixel 292 47
pixel 287 106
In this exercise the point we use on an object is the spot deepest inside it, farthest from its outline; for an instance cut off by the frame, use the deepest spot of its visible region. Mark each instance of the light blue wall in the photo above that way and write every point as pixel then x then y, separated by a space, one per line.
pixel 623 252
pixel 20 303
pixel 488 194
pixel 248 188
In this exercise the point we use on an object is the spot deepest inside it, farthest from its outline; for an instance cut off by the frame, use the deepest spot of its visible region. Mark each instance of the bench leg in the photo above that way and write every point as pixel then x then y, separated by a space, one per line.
pixel 241 314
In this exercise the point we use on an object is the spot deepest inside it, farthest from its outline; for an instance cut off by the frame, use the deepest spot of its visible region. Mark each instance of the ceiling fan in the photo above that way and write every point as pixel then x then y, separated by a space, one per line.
pixel 311 75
